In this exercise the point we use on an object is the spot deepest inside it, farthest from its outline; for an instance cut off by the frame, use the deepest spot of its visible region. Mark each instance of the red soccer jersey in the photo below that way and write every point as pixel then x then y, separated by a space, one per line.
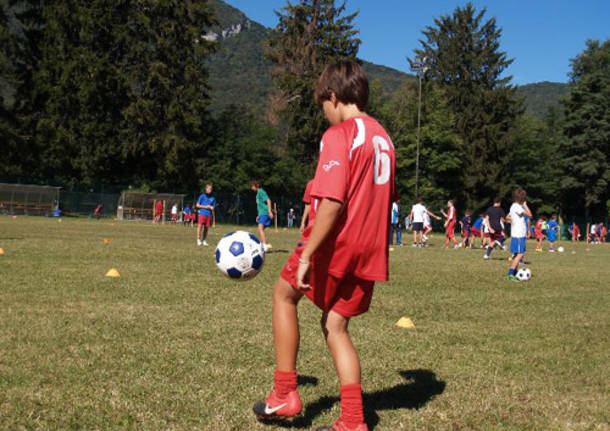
pixel 356 168
pixel 451 216
pixel 538 226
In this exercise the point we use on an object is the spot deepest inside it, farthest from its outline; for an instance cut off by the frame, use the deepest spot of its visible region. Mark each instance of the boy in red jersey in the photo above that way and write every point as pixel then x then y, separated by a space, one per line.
pixel 339 257
pixel 450 220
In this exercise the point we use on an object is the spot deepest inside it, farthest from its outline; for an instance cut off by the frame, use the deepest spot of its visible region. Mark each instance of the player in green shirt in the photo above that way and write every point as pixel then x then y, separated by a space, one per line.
pixel 264 212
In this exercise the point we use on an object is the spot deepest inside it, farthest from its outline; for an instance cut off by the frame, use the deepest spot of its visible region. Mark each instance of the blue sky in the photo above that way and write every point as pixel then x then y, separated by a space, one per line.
pixel 541 35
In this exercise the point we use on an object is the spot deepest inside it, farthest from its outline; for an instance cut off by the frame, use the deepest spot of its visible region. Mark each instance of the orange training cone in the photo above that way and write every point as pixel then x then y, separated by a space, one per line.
pixel 107 240
pixel 113 273
pixel 1 250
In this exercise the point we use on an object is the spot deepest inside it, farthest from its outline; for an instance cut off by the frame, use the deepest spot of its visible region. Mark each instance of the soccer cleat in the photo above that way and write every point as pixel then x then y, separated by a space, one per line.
pixel 486 257
pixel 511 278
pixel 204 243
pixel 275 407
pixel 340 426
pixel 199 242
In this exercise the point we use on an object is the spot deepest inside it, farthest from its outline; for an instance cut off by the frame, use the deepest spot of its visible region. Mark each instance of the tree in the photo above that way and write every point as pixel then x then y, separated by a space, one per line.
pixel 586 179
pixel 118 92
pixel 463 55
pixel 309 35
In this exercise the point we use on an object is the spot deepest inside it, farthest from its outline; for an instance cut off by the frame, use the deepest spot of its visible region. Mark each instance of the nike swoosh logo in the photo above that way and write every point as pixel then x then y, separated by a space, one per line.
pixel 269 410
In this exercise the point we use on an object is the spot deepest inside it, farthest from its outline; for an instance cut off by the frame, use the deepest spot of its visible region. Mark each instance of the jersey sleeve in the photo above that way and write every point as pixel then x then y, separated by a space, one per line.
pixel 213 202
pixel 332 175
pixel 200 200
pixel 264 196
pixel 307 194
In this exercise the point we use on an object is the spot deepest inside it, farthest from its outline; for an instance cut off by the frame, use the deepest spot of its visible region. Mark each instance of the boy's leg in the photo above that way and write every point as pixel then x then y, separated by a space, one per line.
pixel 286 334
pixel 261 232
pixel 284 399
pixel 347 364
pixel 398 235
pixel 199 231
pixel 205 233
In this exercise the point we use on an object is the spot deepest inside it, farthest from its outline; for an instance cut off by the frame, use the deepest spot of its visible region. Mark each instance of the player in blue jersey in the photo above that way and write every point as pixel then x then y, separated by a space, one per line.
pixel 552 229
pixel 205 205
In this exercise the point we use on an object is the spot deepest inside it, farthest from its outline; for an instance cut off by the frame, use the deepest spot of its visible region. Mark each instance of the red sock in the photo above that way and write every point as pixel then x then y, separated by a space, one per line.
pixel 351 405
pixel 285 382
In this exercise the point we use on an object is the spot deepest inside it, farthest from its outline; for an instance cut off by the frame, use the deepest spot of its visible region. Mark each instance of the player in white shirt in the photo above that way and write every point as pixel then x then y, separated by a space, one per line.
pixel 518 230
pixel 418 217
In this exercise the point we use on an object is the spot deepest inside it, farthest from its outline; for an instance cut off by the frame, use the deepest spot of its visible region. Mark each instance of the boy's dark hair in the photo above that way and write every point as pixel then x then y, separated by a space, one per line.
pixel 468 212
pixel 255 183
pixel 519 195
pixel 347 80
pixel 498 200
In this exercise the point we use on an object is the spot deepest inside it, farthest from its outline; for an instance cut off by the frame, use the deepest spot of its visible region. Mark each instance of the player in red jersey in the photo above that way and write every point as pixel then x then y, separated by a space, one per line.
pixel 339 257
pixel 305 219
pixel 450 220
pixel 538 233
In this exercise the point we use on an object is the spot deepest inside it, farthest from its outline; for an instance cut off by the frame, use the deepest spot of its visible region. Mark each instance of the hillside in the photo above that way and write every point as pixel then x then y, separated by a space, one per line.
pixel 239 70
pixel 540 96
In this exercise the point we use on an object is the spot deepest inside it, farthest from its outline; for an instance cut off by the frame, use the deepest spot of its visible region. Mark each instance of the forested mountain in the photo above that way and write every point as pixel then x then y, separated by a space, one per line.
pixel 240 71
pixel 540 96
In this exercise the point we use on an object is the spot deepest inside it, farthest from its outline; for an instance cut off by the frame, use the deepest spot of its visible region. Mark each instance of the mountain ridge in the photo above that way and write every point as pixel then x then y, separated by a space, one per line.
pixel 240 72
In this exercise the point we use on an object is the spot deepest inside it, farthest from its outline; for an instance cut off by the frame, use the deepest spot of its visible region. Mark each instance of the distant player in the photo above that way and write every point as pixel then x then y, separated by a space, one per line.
pixel 307 201
pixel 477 230
pixel 574 232
pixel 538 233
pixel 205 206
pixel 494 221
pixel 450 221
pixel 186 215
pixel 421 222
pixel 395 224
pixel 465 228
pixel 337 260
pixel 174 213
pixel 290 216
pixel 603 232
pixel 158 212
pixel 263 208
pixel 552 231
pixel 518 231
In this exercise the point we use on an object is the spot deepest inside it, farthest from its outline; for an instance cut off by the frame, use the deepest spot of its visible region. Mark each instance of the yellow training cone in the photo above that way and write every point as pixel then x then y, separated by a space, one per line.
pixel 391 248
pixel 405 322
pixel 1 251
pixel 113 273
pixel 107 240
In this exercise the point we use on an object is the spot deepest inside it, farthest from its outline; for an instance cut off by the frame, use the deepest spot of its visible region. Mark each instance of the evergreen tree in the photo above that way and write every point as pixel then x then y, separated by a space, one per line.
pixel 118 92
pixel 309 35
pixel 463 54
pixel 586 149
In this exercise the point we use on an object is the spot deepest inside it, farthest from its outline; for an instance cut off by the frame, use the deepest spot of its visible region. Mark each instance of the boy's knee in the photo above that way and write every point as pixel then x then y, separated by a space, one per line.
pixel 333 323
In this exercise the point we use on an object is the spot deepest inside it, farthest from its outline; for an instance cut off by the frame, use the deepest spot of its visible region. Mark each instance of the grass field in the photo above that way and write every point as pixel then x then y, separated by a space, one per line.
pixel 172 345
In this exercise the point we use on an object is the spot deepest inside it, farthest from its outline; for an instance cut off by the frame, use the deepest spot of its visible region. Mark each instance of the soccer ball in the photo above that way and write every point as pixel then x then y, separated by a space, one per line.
pixel 240 255
pixel 560 249
pixel 524 274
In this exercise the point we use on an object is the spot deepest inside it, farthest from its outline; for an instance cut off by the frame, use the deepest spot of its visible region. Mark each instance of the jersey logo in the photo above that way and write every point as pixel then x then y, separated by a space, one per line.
pixel 269 410
pixel 328 166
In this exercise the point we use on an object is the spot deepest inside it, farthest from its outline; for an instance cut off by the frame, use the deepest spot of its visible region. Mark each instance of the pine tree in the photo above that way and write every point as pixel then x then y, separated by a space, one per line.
pixel 586 149
pixel 463 54
pixel 309 35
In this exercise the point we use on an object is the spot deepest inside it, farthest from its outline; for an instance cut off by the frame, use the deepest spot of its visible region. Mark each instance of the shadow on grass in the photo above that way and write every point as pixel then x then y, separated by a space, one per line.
pixel 278 251
pixel 307 380
pixel 421 387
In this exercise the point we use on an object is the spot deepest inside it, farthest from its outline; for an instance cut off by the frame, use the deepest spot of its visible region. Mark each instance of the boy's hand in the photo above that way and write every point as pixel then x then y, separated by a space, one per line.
pixel 303 274
pixel 302 228
pixel 271 216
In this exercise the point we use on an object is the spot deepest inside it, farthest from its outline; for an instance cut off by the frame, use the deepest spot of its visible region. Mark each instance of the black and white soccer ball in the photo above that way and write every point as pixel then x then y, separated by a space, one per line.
pixel 524 274
pixel 240 255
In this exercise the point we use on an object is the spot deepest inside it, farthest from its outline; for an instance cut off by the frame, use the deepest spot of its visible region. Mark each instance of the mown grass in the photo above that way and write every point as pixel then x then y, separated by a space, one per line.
pixel 172 345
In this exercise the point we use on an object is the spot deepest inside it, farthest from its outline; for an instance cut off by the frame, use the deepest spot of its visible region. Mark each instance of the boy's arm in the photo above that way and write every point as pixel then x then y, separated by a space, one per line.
pixel 305 216
pixel 326 216
pixel 269 208
pixel 432 214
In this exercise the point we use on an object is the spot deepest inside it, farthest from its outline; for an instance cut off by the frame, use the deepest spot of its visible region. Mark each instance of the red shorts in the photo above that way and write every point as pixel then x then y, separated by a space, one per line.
pixel 450 230
pixel 538 235
pixel 174 217
pixel 158 213
pixel 496 235
pixel 349 296
pixel 475 232
pixel 465 234
pixel 204 220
